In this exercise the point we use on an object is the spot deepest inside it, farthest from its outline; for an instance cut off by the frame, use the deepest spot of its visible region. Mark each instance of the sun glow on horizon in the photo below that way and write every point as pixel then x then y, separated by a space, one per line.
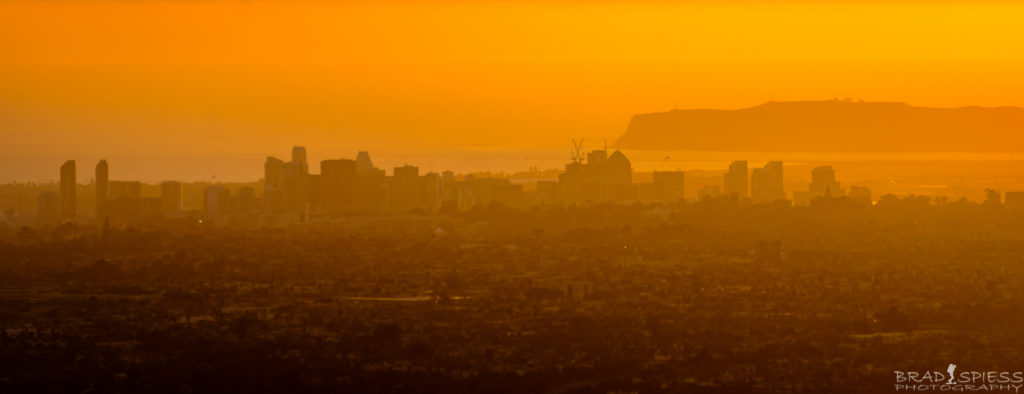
pixel 110 78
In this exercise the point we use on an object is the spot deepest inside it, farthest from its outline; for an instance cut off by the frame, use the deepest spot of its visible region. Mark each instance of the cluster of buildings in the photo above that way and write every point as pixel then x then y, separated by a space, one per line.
pixel 115 201
pixel 765 185
pixel 293 193
pixel 347 185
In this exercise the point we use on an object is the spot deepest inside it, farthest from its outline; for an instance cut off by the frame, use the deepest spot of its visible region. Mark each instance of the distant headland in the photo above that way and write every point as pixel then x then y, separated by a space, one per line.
pixel 830 126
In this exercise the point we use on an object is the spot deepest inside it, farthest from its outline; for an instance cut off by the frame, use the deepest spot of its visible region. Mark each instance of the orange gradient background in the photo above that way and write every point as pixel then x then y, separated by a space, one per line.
pixel 190 89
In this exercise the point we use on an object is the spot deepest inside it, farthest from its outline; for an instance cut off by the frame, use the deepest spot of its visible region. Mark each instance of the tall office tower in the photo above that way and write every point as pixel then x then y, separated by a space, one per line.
pixel 596 161
pixel 668 185
pixel 244 201
pixel 337 181
pixel 766 183
pixel 299 156
pixel 48 209
pixel 823 183
pixel 736 182
pixel 364 166
pixel 775 190
pixel 170 197
pixel 274 184
pixel 316 191
pixel 102 184
pixel 449 190
pixel 759 185
pixel 215 201
pixel 68 183
pixel 619 169
pixel 406 189
pixel 297 186
pixel 432 191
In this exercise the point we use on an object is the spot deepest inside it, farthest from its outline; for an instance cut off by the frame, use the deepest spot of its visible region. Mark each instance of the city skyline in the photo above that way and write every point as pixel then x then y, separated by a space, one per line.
pixel 292 193
pixel 656 141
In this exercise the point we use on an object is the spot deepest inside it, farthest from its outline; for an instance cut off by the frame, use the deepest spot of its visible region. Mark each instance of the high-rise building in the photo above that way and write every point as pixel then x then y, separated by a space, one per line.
pixel 292 181
pixel 601 178
pixel 432 191
pixel 570 183
pixel 766 183
pixel 299 156
pixel 364 166
pixel 668 185
pixel 170 197
pixel 596 161
pixel 406 191
pixel 758 184
pixel 736 180
pixel 216 200
pixel 823 183
pixel 68 183
pixel 102 191
pixel 619 170
pixel 316 191
pixel 449 190
pixel 337 182
pixel 297 186
pixel 370 190
pixel 274 185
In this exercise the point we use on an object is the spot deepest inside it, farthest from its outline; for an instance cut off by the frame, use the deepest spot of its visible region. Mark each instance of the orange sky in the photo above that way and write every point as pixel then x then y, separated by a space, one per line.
pixel 224 83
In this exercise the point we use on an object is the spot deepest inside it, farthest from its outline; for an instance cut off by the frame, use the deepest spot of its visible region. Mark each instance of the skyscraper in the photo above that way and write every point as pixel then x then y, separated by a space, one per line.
pixel 369 189
pixel 170 197
pixel 273 184
pixel 297 182
pixel 297 186
pixel 102 184
pixel 432 190
pixel 68 183
pixel 736 180
pixel 299 156
pixel 766 183
pixel 215 201
pixel 823 183
pixel 364 166
pixel 619 169
pixel 338 180
pixel 406 192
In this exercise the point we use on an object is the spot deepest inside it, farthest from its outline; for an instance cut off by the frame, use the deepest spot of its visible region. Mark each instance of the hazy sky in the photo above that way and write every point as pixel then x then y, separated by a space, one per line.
pixel 188 89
